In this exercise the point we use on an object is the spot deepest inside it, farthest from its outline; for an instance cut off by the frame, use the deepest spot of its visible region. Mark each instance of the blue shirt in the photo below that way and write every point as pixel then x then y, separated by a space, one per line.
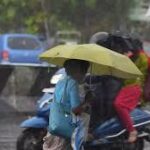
pixel 69 92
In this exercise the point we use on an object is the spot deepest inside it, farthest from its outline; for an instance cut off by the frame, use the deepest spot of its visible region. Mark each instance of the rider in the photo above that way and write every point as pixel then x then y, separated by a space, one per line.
pixel 105 88
pixel 128 97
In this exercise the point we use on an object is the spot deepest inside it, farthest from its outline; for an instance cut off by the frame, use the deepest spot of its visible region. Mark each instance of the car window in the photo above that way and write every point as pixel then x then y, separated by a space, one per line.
pixel 23 43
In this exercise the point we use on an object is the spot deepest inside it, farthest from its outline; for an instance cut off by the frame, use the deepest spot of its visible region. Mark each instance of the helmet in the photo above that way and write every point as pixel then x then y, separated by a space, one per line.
pixel 113 41
pixel 101 38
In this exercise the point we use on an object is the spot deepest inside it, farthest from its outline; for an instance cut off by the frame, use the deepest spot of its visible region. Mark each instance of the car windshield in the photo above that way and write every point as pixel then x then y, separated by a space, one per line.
pixel 23 43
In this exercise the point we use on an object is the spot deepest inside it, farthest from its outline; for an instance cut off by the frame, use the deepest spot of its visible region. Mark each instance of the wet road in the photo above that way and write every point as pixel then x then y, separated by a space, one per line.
pixel 9 130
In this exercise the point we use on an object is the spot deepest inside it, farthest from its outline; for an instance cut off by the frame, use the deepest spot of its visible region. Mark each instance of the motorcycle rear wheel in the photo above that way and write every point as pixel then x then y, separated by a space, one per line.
pixel 138 145
pixel 31 139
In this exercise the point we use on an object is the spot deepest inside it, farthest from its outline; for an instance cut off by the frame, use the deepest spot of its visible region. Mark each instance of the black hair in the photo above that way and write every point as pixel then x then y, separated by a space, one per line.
pixel 73 64
pixel 120 42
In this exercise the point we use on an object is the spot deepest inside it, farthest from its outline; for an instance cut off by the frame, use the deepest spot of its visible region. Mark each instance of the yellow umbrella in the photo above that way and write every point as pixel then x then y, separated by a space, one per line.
pixel 103 61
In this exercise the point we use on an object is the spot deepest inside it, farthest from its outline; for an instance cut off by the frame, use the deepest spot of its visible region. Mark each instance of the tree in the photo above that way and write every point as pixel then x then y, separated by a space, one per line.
pixel 48 16
pixel 90 16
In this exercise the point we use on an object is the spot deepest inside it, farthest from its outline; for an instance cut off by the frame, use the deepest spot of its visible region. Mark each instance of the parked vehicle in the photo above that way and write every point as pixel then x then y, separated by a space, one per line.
pixel 67 37
pixel 20 49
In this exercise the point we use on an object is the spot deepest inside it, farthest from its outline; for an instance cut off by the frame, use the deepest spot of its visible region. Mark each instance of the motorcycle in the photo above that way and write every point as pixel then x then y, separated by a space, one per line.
pixel 107 129
pixel 110 135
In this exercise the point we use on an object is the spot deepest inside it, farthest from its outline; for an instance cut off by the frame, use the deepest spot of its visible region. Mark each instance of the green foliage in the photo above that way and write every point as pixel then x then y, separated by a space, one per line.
pixel 88 16
pixel 90 3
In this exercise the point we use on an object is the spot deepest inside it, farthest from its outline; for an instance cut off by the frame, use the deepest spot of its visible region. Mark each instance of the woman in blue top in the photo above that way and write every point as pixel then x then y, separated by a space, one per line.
pixel 75 70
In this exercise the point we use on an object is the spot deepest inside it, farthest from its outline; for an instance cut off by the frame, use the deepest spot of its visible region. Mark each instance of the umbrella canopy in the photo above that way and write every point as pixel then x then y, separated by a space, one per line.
pixel 103 61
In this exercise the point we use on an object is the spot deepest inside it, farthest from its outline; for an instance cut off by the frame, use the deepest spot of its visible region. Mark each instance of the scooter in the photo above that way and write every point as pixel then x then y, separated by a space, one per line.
pixel 35 128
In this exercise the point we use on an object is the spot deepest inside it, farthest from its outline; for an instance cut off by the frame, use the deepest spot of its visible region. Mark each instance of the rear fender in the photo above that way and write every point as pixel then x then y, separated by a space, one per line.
pixel 35 122
pixel 113 127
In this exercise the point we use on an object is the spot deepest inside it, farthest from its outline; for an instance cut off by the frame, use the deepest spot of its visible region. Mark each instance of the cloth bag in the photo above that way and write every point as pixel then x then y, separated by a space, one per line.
pixel 52 142
pixel 60 119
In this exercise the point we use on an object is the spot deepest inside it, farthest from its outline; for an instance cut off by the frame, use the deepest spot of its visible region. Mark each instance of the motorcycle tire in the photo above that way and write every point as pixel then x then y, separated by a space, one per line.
pixel 31 139
pixel 138 145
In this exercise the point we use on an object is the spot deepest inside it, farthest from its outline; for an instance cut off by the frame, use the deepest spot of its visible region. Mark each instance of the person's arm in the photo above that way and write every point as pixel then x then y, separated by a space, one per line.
pixel 76 104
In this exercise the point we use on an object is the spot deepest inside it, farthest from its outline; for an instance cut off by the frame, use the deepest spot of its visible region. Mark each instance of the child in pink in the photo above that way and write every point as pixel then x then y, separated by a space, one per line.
pixel 130 95
pixel 126 100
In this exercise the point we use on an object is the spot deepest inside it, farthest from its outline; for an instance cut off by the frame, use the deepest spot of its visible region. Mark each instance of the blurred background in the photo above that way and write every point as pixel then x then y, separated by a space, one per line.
pixel 42 24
